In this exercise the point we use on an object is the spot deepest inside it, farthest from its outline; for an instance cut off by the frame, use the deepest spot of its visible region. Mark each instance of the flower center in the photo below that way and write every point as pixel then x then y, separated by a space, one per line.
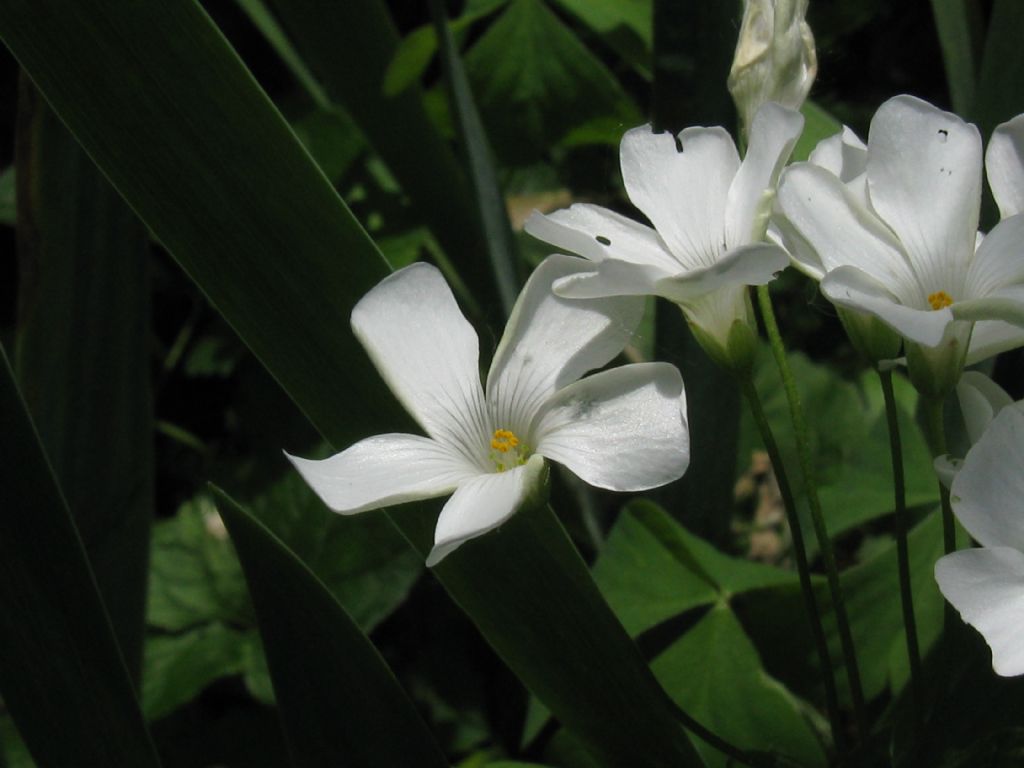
pixel 940 300
pixel 507 451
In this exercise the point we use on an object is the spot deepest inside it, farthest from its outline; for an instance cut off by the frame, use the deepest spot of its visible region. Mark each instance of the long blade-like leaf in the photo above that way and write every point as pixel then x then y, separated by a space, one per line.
pixel 62 677
pixel 168 112
pixel 82 358
pixel 1001 82
pixel 490 202
pixel 959 25
pixel 338 699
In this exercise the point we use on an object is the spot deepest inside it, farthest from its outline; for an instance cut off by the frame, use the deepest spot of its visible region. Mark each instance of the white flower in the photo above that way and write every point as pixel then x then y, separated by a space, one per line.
pixel 891 229
pixel 709 213
pixel 775 58
pixel 986 585
pixel 622 429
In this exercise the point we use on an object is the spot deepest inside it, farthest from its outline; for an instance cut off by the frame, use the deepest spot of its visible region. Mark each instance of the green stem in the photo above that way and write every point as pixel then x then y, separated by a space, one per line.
pixel 811 489
pixel 746 384
pixel 937 443
pixel 902 550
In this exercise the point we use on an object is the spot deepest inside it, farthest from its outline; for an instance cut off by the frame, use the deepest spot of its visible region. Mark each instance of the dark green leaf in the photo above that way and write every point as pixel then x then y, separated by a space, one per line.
pixel 61 671
pixel 490 202
pixel 7 207
pixel 204 159
pixel 652 569
pixel 553 84
pixel 178 667
pixel 714 671
pixel 195 578
pixel 82 356
pixel 959 26
pixel 1000 93
pixel 339 702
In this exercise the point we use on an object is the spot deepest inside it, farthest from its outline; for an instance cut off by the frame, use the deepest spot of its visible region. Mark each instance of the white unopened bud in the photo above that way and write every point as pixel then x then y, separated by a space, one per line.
pixel 775 58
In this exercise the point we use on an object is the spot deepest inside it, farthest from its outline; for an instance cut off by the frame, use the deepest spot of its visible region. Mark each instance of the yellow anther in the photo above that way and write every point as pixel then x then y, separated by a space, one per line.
pixel 940 300
pixel 504 440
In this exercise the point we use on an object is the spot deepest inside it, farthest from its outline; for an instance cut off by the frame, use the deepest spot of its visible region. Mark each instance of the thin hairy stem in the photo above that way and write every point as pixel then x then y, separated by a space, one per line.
pixel 818 519
pixel 800 551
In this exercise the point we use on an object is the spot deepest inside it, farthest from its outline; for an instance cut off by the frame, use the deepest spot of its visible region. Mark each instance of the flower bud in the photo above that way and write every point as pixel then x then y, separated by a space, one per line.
pixel 775 58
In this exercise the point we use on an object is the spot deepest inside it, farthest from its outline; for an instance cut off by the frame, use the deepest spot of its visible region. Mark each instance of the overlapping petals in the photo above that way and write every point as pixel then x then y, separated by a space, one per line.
pixel 708 210
pixel 986 585
pixel 623 429
pixel 892 229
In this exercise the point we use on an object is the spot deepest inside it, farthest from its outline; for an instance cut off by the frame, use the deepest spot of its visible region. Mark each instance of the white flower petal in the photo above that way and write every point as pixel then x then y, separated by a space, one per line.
pixel 481 504
pixel 597 234
pixel 987 587
pixel 384 470
pixel 611 278
pixel 829 220
pixel 946 468
pixel 988 492
pixel 858 290
pixel 1004 163
pixel 924 178
pixel 550 341
pixel 772 136
pixel 980 400
pixel 683 193
pixel 428 354
pixel 623 429
pixel 843 155
pixel 755 264
pixel 991 337
pixel 999 262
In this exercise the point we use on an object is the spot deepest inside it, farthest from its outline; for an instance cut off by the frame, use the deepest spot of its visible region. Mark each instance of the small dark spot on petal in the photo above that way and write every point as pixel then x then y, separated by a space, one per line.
pixel 943 135
pixel 603 240
pixel 679 144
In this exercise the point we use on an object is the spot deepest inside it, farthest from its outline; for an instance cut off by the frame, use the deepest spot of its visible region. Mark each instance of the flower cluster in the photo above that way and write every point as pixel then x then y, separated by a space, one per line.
pixel 889 228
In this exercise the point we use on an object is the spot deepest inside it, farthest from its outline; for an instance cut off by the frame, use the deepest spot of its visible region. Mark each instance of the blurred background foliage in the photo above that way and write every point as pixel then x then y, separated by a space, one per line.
pixel 556 82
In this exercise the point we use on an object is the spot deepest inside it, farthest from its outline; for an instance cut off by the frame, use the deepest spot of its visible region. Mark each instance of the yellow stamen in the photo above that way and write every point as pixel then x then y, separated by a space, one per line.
pixel 504 440
pixel 940 300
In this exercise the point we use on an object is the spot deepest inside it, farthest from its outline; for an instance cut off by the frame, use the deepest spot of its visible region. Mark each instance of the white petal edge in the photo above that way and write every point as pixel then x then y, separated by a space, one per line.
pixel 858 290
pixel 999 261
pixel 550 341
pixel 773 135
pixel 980 400
pixel 683 193
pixel 987 587
pixel 988 492
pixel 1004 163
pixel 428 354
pixel 842 154
pixel 382 471
pixel 597 234
pixel 481 504
pixel 623 430
pixel 924 179
pixel 992 337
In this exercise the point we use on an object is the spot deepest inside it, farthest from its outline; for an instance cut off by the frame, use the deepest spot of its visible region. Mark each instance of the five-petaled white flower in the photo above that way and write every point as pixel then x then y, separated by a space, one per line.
pixel 709 212
pixel 623 429
pixel 891 229
pixel 986 585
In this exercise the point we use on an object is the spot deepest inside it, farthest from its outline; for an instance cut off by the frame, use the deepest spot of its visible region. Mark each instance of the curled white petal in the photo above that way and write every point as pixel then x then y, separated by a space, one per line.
pixel 550 341
pixel 843 155
pixel 384 470
pixel 987 587
pixel 598 234
pixel 481 504
pixel 773 135
pixel 988 491
pixel 623 429
pixel 1004 164
pixel 980 400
